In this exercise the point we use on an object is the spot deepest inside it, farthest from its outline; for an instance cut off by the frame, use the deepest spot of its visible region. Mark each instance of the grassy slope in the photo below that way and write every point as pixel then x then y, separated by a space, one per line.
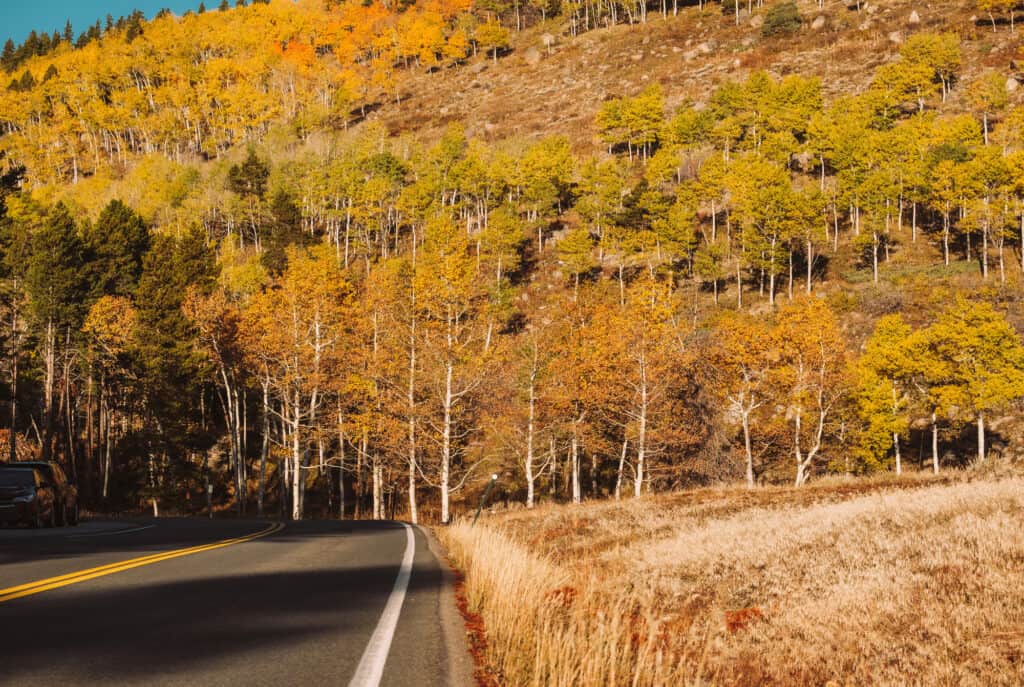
pixel 872 582
pixel 535 92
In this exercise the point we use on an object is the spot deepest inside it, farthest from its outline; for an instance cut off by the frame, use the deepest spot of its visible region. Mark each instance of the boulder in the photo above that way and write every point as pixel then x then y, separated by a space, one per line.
pixel 914 19
pixel 896 37
pixel 819 23
pixel 1012 85
pixel 757 21
pixel 531 56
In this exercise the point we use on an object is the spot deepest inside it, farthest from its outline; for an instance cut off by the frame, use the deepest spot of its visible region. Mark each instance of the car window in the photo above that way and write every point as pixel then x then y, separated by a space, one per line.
pixel 17 478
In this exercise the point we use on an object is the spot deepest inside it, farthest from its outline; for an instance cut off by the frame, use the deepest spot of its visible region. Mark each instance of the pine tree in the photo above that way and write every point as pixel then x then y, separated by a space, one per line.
pixel 56 287
pixel 116 245
pixel 8 59
pixel 285 230
pixel 249 178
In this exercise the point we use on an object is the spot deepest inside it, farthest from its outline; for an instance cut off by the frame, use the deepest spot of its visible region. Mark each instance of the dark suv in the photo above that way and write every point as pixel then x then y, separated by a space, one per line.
pixel 26 497
pixel 65 493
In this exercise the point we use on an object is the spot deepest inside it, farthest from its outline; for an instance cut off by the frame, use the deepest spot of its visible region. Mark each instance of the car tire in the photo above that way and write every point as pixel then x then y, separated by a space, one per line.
pixel 37 519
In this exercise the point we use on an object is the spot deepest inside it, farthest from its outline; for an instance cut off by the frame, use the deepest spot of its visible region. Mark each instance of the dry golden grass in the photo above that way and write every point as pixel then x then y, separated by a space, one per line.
pixel 848 583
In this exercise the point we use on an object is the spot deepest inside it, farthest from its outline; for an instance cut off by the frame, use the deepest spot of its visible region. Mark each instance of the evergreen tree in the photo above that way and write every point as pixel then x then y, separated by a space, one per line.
pixel 56 288
pixel 168 362
pixel 285 230
pixel 54 273
pixel 249 178
pixel 27 82
pixel 8 59
pixel 31 45
pixel 134 29
pixel 116 245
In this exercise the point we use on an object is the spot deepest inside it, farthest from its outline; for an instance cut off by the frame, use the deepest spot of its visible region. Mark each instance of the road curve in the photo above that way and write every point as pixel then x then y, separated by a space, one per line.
pixel 312 603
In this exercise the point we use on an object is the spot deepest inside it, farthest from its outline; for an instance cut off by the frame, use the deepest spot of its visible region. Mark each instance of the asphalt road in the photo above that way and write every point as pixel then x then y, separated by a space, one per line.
pixel 298 605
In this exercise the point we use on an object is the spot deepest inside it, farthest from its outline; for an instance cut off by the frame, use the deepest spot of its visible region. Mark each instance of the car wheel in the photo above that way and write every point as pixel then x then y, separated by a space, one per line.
pixel 37 519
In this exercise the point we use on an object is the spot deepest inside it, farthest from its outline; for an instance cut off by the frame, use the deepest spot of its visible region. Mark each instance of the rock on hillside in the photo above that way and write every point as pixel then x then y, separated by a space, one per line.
pixel 553 83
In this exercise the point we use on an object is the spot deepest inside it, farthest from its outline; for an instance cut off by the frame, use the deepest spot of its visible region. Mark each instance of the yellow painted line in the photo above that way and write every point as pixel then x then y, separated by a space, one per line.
pixel 91 573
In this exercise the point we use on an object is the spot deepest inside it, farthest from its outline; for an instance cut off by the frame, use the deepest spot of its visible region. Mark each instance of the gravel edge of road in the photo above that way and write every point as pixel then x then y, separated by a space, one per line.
pixel 453 631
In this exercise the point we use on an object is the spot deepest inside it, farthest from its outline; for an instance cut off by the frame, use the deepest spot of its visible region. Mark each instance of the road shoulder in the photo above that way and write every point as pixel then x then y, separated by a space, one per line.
pixel 453 632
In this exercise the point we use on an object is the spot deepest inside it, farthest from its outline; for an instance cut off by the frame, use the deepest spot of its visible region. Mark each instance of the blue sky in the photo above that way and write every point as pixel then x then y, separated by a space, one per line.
pixel 18 17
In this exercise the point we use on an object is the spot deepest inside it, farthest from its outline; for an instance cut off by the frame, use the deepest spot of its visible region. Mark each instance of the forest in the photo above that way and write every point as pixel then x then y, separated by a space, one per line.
pixel 220 267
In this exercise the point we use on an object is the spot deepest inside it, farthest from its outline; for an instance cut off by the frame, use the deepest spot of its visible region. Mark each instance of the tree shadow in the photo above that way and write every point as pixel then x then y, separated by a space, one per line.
pixel 128 629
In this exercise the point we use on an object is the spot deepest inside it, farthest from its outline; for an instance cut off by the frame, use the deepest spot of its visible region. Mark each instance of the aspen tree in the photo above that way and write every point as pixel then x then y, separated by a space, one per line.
pixel 813 369
pixel 976 362
pixel 884 372
pixel 743 356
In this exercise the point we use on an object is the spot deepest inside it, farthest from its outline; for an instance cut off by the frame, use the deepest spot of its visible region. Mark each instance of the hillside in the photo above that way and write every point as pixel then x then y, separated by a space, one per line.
pixel 553 83
pixel 347 258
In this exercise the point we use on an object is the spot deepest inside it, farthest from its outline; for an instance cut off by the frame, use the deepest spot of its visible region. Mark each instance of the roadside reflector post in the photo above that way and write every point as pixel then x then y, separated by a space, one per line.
pixel 483 499
pixel 209 497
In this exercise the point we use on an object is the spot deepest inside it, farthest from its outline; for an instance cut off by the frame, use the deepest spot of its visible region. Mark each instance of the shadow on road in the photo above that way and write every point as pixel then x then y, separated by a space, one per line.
pixel 20 545
pixel 136 626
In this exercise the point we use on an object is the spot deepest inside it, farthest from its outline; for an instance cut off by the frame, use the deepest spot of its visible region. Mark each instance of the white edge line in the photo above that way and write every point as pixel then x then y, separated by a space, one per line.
pixel 107 534
pixel 371 665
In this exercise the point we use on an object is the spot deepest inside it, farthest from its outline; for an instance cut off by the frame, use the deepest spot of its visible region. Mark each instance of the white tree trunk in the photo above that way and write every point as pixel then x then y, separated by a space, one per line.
pixel 641 452
pixel 152 486
pixel 378 489
pixel 981 437
pixel 748 448
pixel 411 400
pixel 574 457
pixel 264 448
pixel 896 448
pixel 446 444
pixel 296 458
pixel 530 478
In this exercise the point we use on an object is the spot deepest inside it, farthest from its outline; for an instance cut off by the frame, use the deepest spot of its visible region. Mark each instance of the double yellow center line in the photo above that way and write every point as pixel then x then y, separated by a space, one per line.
pixel 49 583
